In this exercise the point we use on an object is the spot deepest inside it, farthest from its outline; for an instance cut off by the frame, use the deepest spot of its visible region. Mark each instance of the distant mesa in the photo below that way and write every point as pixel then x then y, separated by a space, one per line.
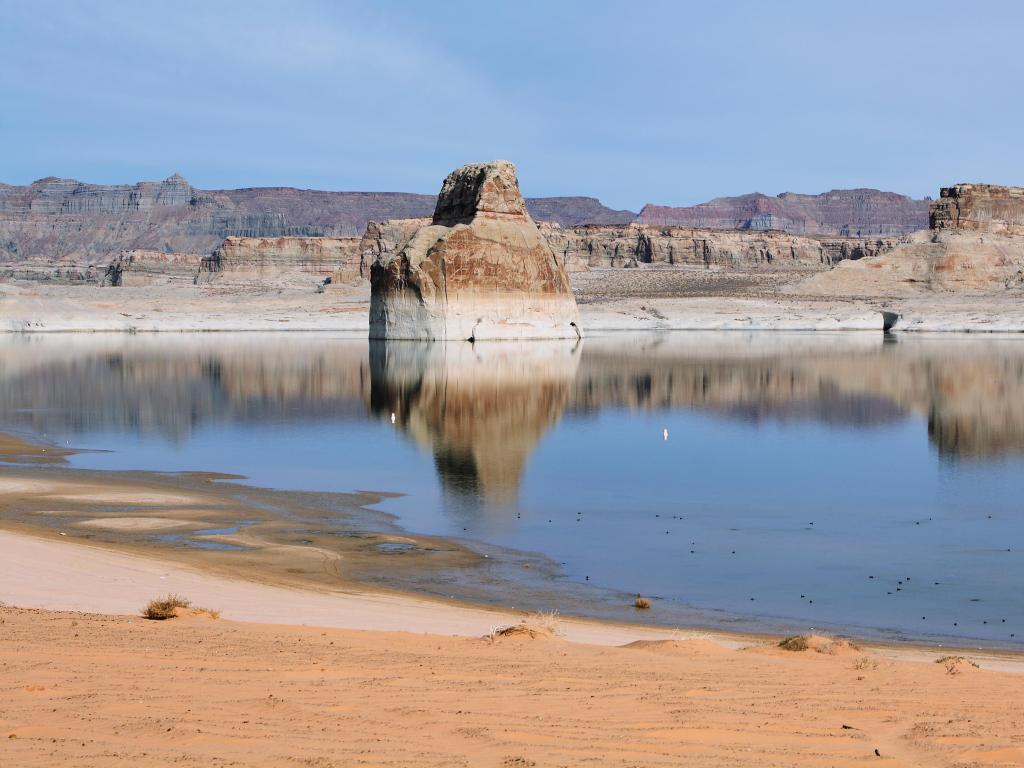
pixel 842 212
pixel 479 270
pixel 65 221
pixel 56 219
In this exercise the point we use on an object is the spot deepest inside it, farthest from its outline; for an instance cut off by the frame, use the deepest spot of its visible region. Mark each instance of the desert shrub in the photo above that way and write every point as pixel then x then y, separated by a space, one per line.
pixel 165 608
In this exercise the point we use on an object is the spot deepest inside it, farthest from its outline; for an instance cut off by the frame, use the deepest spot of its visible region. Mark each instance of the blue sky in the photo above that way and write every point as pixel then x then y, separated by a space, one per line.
pixel 633 102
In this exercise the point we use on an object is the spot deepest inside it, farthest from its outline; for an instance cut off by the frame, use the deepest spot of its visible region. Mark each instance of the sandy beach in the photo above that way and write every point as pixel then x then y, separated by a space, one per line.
pixel 286 677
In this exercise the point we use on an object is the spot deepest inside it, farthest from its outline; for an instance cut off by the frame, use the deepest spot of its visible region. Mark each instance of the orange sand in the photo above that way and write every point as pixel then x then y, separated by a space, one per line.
pixel 95 690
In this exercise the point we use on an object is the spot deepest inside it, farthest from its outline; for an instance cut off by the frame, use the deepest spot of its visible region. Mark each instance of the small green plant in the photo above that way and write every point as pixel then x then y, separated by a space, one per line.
pixel 165 608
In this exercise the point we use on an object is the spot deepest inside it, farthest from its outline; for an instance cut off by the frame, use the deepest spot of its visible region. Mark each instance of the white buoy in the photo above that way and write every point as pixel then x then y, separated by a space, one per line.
pixel 392 418
pixel 664 435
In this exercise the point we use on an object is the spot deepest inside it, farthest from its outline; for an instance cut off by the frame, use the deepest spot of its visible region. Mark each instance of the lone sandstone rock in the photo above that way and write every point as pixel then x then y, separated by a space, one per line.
pixel 479 270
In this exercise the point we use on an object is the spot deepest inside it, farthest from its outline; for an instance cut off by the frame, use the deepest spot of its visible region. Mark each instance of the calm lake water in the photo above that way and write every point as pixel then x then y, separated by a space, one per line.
pixel 843 482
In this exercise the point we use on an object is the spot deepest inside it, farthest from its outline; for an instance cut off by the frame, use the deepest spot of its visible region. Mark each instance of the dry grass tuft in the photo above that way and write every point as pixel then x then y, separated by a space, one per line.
pixel 955 664
pixel 795 643
pixel 865 662
pixel 165 608
pixel 535 625
pixel 827 645
pixel 642 603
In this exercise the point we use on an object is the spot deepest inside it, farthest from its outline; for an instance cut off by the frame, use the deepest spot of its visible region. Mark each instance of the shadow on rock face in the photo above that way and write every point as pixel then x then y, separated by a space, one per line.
pixel 480 408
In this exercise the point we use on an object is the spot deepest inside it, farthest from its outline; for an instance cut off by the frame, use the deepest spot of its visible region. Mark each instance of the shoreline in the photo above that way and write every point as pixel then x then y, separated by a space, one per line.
pixel 41 308
pixel 311 570
pixel 41 573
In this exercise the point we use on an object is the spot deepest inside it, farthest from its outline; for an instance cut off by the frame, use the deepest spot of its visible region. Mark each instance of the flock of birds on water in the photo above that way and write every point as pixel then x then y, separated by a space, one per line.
pixel 900 585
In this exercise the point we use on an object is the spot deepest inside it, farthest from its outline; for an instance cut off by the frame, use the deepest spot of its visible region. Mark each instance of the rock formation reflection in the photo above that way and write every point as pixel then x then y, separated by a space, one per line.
pixel 479 408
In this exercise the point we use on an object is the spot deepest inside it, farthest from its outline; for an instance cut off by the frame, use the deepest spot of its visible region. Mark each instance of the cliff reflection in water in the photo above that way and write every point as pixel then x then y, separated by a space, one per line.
pixel 479 408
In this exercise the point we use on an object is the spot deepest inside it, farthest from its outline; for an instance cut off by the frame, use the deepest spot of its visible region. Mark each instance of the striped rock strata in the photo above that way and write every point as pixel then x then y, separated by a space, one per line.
pixel 479 270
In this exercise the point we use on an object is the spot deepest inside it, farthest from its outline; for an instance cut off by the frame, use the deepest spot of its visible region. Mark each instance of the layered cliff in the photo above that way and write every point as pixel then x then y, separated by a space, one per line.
pixel 283 259
pixel 583 247
pixel 141 267
pixel 979 208
pixel 975 245
pixel 57 219
pixel 634 244
pixel 846 212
